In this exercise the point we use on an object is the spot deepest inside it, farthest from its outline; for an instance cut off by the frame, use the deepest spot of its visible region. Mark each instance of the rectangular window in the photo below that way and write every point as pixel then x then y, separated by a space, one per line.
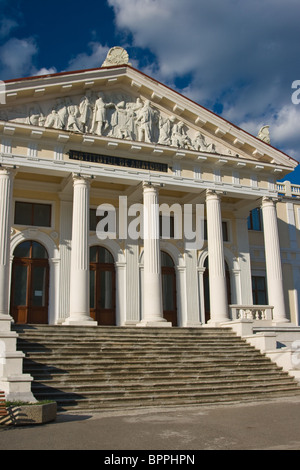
pixel 259 290
pixel 95 219
pixel 32 213
pixel 255 220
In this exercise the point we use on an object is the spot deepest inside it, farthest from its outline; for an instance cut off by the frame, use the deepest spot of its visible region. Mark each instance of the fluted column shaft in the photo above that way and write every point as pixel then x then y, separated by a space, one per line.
pixel 6 186
pixel 79 283
pixel 153 309
pixel 217 277
pixel 273 260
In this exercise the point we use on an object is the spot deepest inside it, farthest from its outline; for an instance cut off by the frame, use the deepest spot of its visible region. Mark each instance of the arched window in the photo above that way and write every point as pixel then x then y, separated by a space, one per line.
pixel 30 283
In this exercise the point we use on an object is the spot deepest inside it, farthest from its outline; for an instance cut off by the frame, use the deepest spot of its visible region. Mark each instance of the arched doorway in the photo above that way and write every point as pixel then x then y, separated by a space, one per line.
pixel 102 286
pixel 169 288
pixel 206 288
pixel 30 283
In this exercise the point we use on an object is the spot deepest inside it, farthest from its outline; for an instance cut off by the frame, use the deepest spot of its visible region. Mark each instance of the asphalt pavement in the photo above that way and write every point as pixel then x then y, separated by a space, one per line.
pixel 268 425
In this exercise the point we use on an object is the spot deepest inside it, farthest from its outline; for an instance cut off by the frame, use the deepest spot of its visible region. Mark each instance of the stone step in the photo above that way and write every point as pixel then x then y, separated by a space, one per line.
pixel 119 367
pixel 149 384
pixel 95 402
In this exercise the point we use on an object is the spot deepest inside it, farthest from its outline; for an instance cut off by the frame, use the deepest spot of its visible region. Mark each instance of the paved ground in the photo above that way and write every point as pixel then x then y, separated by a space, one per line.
pixel 267 425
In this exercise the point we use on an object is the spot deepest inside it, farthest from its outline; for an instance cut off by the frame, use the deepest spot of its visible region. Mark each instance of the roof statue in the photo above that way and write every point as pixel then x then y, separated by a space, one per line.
pixel 264 134
pixel 116 56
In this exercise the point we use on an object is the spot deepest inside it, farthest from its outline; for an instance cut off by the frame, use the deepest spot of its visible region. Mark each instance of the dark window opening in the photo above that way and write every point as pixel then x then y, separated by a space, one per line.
pixel 32 213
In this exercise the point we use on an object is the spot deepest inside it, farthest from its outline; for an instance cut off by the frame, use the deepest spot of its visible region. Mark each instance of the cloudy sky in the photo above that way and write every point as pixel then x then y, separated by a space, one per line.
pixel 238 58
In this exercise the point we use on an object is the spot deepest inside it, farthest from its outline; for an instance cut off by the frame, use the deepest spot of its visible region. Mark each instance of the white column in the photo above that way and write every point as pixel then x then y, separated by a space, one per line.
pixel 6 184
pixel 273 260
pixel 80 266
pixel 15 384
pixel 217 278
pixel 153 310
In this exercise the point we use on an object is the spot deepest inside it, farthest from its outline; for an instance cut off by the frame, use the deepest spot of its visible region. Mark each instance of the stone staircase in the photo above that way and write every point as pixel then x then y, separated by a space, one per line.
pixel 101 368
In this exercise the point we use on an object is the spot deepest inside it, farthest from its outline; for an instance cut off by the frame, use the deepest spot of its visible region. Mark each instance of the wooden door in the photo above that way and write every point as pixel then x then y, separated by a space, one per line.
pixel 102 286
pixel 30 284
pixel 169 289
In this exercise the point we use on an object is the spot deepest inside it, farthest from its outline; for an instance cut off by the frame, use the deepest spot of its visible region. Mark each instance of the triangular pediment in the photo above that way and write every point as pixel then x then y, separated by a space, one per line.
pixel 122 103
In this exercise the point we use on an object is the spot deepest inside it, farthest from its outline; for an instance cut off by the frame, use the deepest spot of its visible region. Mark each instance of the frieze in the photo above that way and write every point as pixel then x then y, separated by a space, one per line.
pixel 113 114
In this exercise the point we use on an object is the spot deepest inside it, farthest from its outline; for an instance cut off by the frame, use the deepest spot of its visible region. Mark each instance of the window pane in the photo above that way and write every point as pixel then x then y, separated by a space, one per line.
pixel 168 292
pixel 93 220
pixel 42 215
pixel 259 290
pixel 38 251
pixel 225 231
pixel 23 213
pixel 106 290
pixel 104 255
pixel 166 260
pixel 20 285
pixel 93 254
pixel 22 250
pixel 39 286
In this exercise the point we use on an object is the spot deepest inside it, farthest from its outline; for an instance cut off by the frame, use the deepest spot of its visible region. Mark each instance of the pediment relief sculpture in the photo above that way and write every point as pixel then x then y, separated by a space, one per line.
pixel 113 114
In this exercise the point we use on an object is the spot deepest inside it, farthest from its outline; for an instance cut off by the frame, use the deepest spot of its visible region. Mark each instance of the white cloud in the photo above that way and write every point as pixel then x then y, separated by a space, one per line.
pixel 243 55
pixel 89 61
pixel 45 71
pixel 16 58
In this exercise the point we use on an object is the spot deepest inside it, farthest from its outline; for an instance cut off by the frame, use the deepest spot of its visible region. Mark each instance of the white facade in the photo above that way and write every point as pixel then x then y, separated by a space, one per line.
pixel 71 142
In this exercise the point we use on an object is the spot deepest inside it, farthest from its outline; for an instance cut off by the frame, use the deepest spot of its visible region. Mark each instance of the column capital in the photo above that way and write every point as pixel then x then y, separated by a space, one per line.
pixel 154 186
pixel 269 200
pixel 81 178
pixel 9 170
pixel 213 194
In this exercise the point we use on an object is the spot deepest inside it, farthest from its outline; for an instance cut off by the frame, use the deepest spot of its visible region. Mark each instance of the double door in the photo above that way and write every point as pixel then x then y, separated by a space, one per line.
pixel 102 286
pixel 30 286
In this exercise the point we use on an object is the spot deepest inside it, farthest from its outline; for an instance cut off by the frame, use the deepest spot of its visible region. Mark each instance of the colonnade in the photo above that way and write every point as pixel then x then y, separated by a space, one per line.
pixel 153 310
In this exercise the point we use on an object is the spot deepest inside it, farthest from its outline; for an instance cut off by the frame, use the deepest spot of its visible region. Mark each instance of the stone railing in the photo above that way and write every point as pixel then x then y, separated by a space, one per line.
pixel 288 189
pixel 251 312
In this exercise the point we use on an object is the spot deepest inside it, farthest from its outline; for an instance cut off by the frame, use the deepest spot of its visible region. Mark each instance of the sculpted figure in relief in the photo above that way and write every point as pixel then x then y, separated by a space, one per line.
pixel 86 112
pixel 53 120
pixel 115 114
pixel 165 129
pixel 100 115
pixel 179 137
pixel 144 123
pixel 200 144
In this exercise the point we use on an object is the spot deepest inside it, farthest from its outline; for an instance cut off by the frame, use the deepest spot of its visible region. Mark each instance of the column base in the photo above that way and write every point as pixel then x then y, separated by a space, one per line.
pixel 280 322
pixel 154 324
pixel 85 321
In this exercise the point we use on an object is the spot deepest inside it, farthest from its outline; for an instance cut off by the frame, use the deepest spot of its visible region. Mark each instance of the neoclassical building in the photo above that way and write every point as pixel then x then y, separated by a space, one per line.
pixel 117 139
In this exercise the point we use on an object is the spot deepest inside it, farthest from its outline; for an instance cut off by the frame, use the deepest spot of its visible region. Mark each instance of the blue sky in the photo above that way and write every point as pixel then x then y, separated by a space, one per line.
pixel 238 58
